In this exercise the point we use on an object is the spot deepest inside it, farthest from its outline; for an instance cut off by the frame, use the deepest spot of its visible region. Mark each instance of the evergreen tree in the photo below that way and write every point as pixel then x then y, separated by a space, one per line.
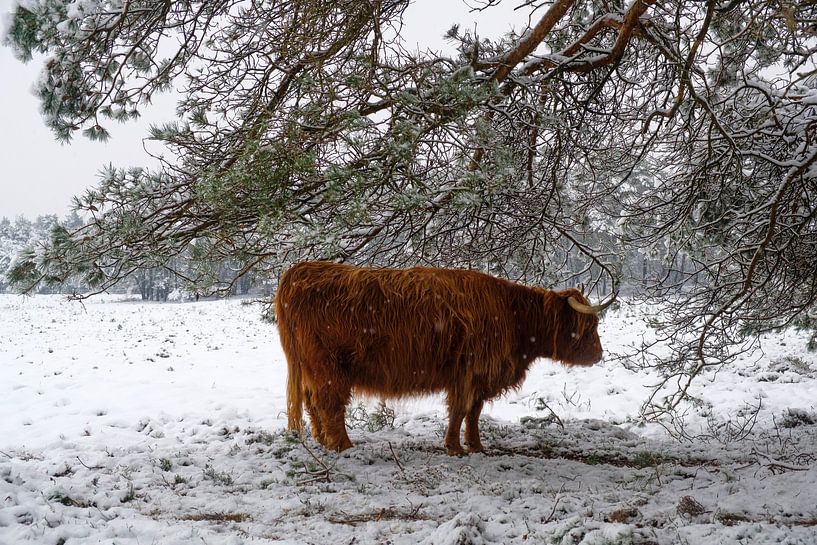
pixel 20 239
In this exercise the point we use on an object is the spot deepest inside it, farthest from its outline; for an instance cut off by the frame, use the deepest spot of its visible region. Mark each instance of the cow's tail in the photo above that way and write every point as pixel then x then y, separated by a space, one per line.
pixel 295 401
pixel 295 391
pixel 288 343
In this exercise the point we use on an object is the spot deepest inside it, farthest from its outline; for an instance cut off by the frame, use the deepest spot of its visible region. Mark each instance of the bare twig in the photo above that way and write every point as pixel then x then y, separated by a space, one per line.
pixel 397 460
pixel 87 466
pixel 777 466
pixel 323 475
pixel 556 499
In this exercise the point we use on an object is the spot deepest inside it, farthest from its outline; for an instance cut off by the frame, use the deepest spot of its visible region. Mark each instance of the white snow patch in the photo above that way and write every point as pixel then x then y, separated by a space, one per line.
pixel 130 423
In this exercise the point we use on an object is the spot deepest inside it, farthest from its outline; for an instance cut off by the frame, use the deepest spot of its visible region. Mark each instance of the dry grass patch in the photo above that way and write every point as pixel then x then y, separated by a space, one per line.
pixel 386 513
pixel 217 517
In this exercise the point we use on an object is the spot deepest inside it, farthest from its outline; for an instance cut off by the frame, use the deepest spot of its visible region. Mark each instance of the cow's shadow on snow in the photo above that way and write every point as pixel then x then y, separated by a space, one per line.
pixel 419 444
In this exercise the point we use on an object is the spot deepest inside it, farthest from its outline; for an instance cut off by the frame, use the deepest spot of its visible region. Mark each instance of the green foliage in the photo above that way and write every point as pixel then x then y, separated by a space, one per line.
pixel 23 272
pixel 358 417
pixel 23 33
pixel 100 133
pixel 219 477
pixel 647 459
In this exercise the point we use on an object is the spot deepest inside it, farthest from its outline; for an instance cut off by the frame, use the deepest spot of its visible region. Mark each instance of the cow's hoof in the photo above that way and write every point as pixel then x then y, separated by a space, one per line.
pixel 474 448
pixel 455 451
pixel 338 446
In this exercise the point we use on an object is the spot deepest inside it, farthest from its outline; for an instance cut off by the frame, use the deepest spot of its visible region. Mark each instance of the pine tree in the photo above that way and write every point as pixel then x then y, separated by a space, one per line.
pixel 307 129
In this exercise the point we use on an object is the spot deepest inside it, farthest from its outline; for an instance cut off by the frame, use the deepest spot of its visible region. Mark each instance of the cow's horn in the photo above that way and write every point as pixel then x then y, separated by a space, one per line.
pixel 603 306
pixel 589 309
pixel 581 307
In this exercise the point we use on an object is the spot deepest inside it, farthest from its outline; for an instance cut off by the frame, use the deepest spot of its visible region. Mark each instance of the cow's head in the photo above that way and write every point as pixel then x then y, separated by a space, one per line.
pixel 578 340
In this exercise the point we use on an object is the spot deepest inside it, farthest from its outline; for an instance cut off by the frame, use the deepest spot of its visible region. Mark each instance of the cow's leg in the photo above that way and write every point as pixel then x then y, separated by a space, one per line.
pixel 472 427
pixel 456 412
pixel 315 419
pixel 331 404
pixel 329 394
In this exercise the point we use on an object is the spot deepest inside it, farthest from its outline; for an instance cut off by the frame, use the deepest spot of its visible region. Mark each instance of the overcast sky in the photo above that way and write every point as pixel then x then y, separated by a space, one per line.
pixel 39 175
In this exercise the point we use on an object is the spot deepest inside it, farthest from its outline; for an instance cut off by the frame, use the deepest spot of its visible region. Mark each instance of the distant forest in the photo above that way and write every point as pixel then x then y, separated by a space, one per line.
pixel 159 283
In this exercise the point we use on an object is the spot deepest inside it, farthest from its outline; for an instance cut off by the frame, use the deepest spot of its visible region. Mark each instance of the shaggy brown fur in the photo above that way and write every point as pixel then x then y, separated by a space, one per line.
pixel 400 332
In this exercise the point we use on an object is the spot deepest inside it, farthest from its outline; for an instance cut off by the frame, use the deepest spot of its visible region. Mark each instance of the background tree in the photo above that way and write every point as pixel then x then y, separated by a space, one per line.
pixel 20 238
pixel 601 129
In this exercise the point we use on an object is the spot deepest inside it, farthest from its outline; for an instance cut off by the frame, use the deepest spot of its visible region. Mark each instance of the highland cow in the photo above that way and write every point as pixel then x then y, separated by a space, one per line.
pixel 401 332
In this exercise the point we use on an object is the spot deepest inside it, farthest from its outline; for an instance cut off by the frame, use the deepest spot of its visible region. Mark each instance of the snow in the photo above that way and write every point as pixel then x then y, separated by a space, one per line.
pixel 138 423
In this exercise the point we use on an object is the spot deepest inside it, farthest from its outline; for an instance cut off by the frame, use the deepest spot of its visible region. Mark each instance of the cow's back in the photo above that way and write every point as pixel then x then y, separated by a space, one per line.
pixel 399 331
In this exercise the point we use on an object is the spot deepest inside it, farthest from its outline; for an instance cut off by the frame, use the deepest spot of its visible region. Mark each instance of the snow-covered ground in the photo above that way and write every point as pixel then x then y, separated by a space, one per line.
pixel 130 423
